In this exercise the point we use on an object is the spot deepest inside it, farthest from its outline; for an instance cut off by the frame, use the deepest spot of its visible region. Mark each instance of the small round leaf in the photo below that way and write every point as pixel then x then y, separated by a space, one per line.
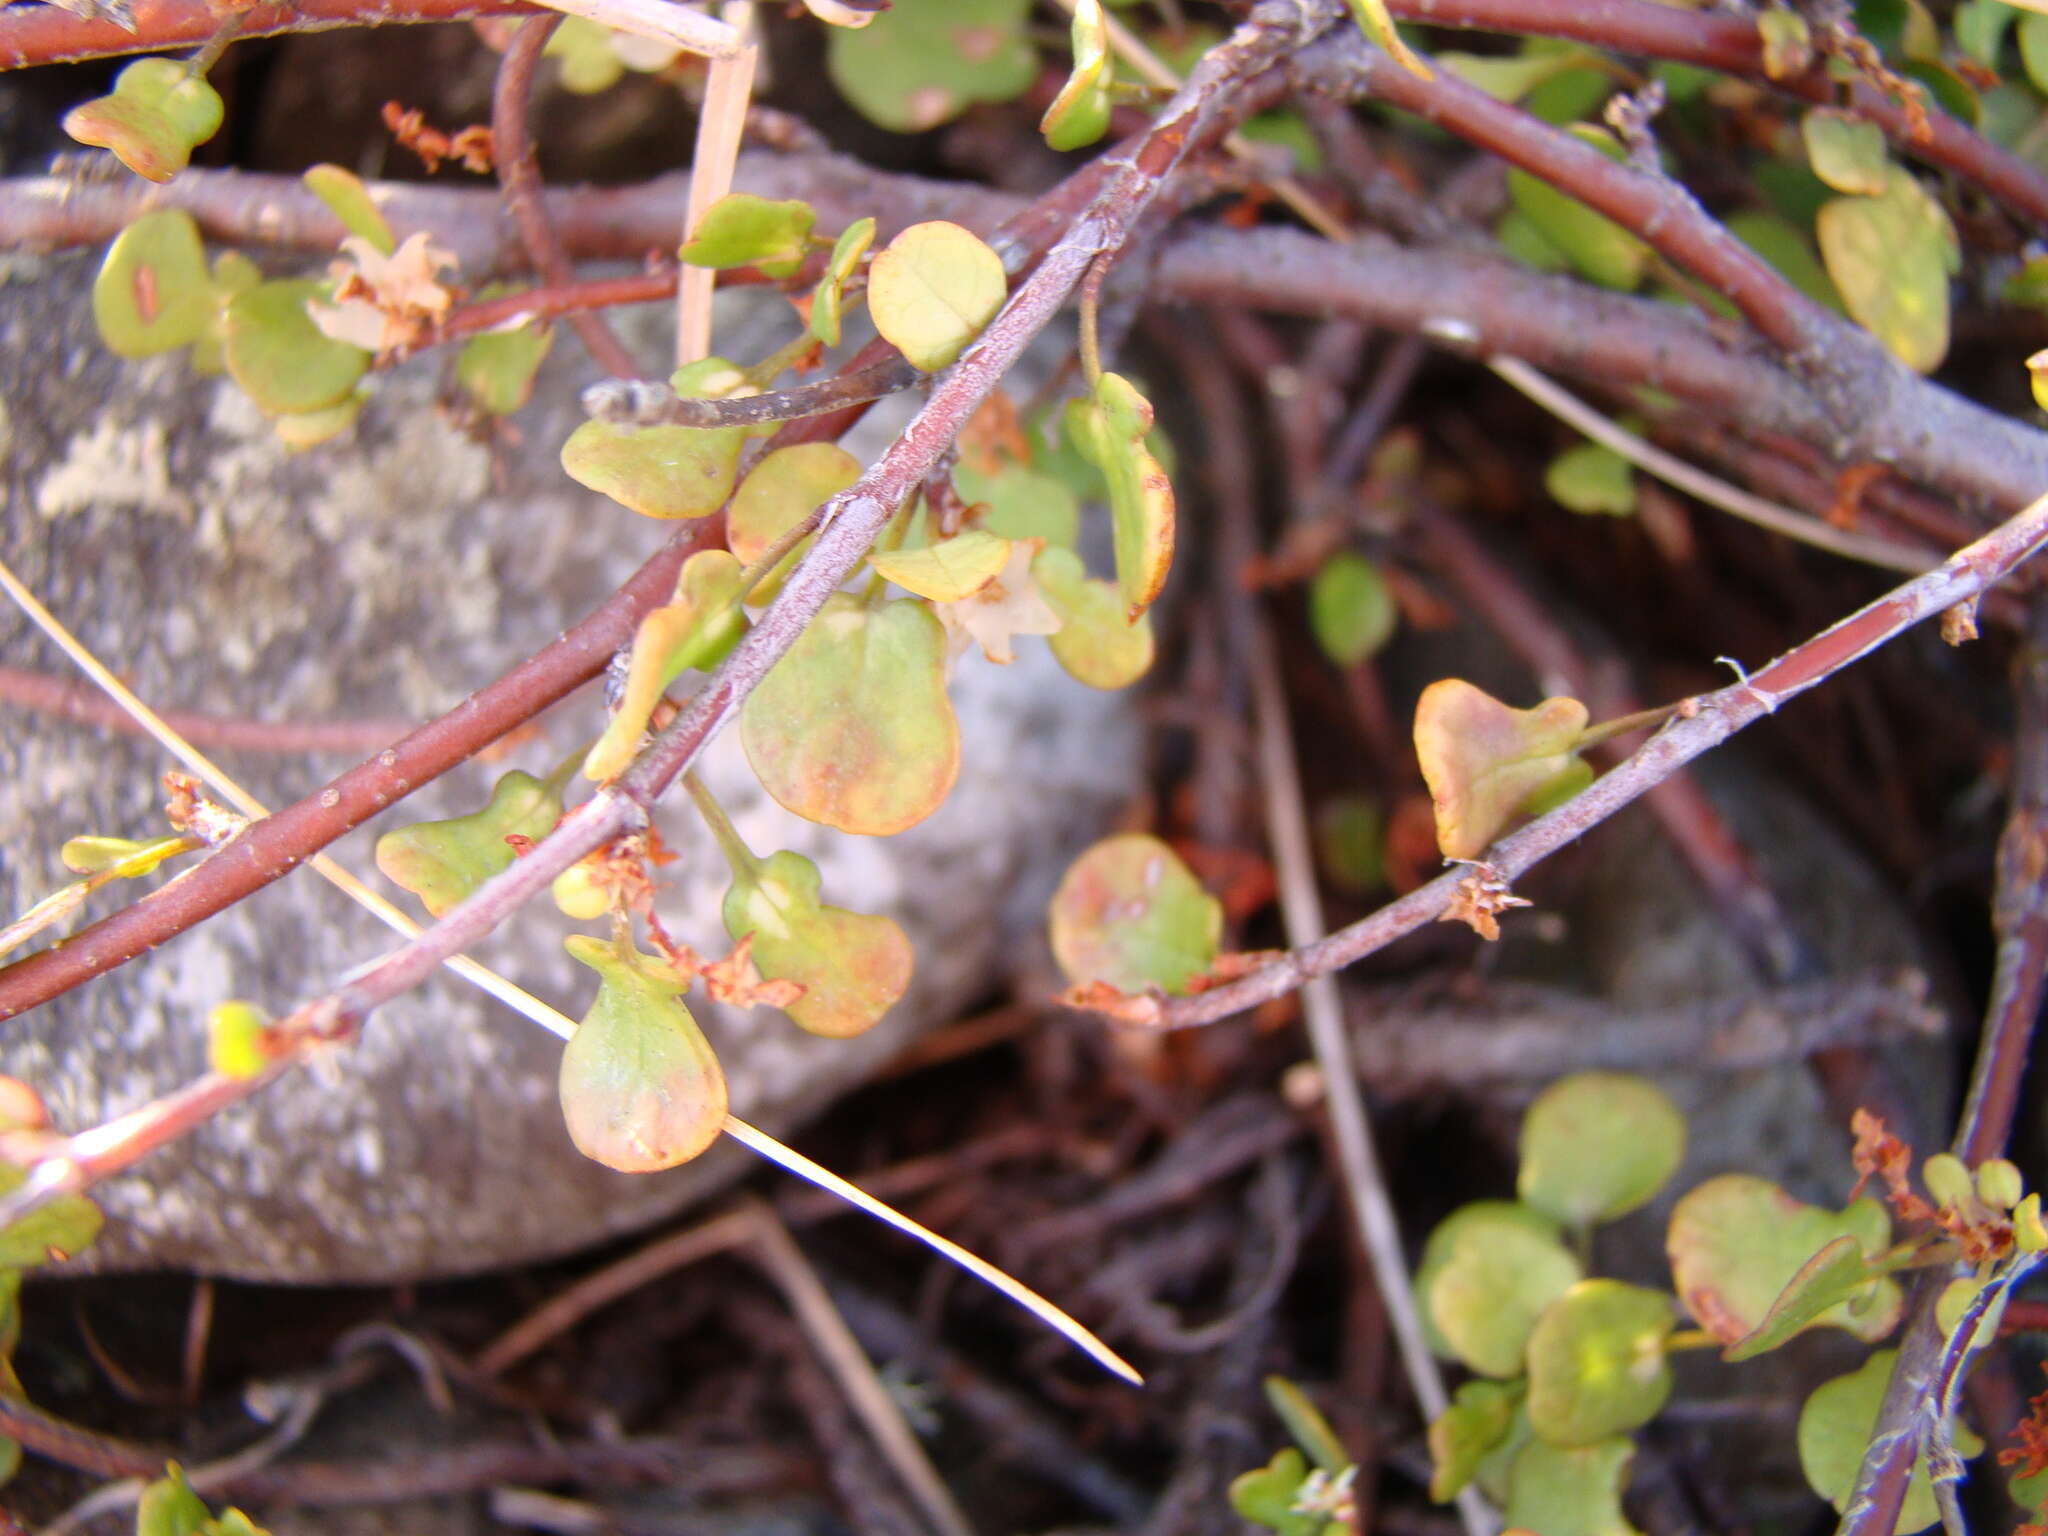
pixel 1570 1491
pixel 1477 1215
pixel 153 293
pixel 664 472
pixel 1490 1288
pixel 1350 608
pixel 1129 913
pixel 853 966
pixel 932 289
pixel 1483 761
pixel 1596 1362
pixel 1598 1145
pixel 924 62
pixel 280 358
pixel 1096 643
pixel 441 862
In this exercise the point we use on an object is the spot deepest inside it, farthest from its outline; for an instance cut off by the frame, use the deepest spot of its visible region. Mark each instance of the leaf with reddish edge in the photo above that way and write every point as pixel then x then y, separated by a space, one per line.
pixel 1129 913
pixel 1110 431
pixel 1484 762
pixel 441 862
pixel 852 966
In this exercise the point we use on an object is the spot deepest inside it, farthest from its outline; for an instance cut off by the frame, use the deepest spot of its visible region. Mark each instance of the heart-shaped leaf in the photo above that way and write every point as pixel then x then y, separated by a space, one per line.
pixel 1597 247
pixel 1479 1419
pixel 665 472
pixel 1846 151
pixel 1129 913
pixel 1479 1216
pixel 1592 477
pixel 853 966
pixel 159 112
pixel 949 570
pixel 932 289
pixel 1597 1145
pixel 1570 1491
pixel 1737 1242
pixel 852 728
pixel 828 299
pixel 49 1234
pixel 1110 431
pixel 1350 608
pixel 349 201
pixel 783 489
pixel 1096 643
pixel 924 62
pixel 1079 115
pixel 280 358
pixel 1489 1288
pixel 441 862
pixel 742 230
pixel 152 293
pixel 1834 1429
pixel 697 629
pixel 1484 762
pixel 1891 257
pixel 1596 1360
pixel 1268 1495
pixel 641 1087
pixel 1021 502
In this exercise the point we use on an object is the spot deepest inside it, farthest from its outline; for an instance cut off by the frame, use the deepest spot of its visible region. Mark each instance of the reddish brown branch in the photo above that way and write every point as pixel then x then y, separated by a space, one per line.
pixel 552 303
pixel 46 34
pixel 519 175
pixel 70 700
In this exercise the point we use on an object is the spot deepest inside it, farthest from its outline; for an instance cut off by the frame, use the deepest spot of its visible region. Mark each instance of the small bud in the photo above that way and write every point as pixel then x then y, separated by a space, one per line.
pixel 2027 1230
pixel 1999 1184
pixel 578 894
pixel 1948 1180
pixel 237 1042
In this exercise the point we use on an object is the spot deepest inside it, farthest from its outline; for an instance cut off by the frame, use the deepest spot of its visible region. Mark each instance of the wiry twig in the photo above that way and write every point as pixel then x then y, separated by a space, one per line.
pixel 640 403
pixel 47 695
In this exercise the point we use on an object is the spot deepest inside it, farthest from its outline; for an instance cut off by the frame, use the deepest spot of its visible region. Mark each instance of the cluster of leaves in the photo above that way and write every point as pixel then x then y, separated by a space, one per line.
pixel 169 1507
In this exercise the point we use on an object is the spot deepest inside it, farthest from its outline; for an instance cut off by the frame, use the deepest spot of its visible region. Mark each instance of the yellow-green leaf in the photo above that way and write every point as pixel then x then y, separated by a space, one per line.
pixel 1570 1491
pixel 1596 1362
pixel 1484 761
pixel 1597 1145
pixel 664 472
pixel 441 862
pixel 949 570
pixel 1378 25
pixel 697 629
pixel 1891 258
pixel 1350 608
pixel 159 112
pixel 829 297
pixel 853 966
pixel 1597 247
pixel 641 1088
pixel 152 293
pixel 1834 1429
pixel 783 489
pixel 932 289
pixel 1492 1281
pixel 1079 115
pixel 349 201
pixel 924 62
pixel 1096 643
pixel 742 230
pixel 280 358
pixel 1846 151
pixel 1128 912
pixel 1110 431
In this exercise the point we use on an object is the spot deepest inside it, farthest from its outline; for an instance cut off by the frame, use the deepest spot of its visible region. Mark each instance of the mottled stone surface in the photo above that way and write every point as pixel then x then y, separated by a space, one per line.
pixel 388 574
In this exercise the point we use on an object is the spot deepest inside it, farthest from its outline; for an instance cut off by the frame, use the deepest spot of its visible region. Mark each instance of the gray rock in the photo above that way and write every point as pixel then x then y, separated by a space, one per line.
pixel 390 573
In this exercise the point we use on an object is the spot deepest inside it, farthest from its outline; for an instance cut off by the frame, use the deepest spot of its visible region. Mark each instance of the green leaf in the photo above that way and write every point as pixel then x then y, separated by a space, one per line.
pixel 1510 77
pixel 1834 1429
pixel 300 430
pixel 1129 913
pixel 589 62
pixel 780 491
pixel 1350 834
pixel 1787 40
pixel 1350 608
pixel 152 293
pixel 1267 1496
pixel 1596 1362
pixel 1597 1145
pixel 1022 503
pixel 1570 1491
pixel 924 62
pixel 1095 643
pixel 159 112
pixel 1592 478
pixel 852 728
pixel 1954 94
pixel 237 1036
pixel 697 629
pixel 1484 761
pixel 121 858
pixel 279 357
pixel 949 570
pixel 1846 151
pixel 233 275
pixel 349 201
pixel 1599 249
pixel 1110 431
pixel 829 297
pixel 49 1234
pixel 853 966
pixel 1785 246
pixel 641 1088
pixel 2033 39
pixel 1079 115
pixel 1979 27
pixel 1891 257
pixel 664 472
pixel 1737 1242
pixel 932 289
pixel 441 862
pixel 1490 1286
pixel 1480 1216
pixel 1478 1421
pixel 496 369
pixel 1378 26
pixel 1833 1278
pixel 742 230
pixel 1305 1422
pixel 169 1507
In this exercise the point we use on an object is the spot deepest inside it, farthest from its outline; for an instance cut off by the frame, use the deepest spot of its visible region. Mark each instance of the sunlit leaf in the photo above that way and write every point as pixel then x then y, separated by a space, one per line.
pixel 49 1234
pixel 1095 643
pixel 1267 1495
pixel 641 1088
pixel 441 862
pixel 279 357
pixel 852 728
pixel 829 297
pixel 300 430
pixel 152 293
pixel 1598 248
pixel 1492 1282
pixel 1596 1361
pixel 1477 1422
pixel 159 112
pixel 924 62
pixel 853 966
pixel 1592 478
pixel 1787 40
pixel 1891 257
pixel 233 275
pixel 1481 1216
pixel 1350 608
pixel 664 472
pixel 780 491
pixel 1570 1491
pixel 169 1507
pixel 1834 1430
pixel 932 289
pixel 349 201
pixel 1846 151
pixel 1737 1243
pixel 122 858
pixel 237 1036
pixel 1484 762
pixel 948 570
pixel 1597 1145
pixel 1128 912
pixel 742 230
pixel 697 629
pixel 1079 115
pixel 1110 430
